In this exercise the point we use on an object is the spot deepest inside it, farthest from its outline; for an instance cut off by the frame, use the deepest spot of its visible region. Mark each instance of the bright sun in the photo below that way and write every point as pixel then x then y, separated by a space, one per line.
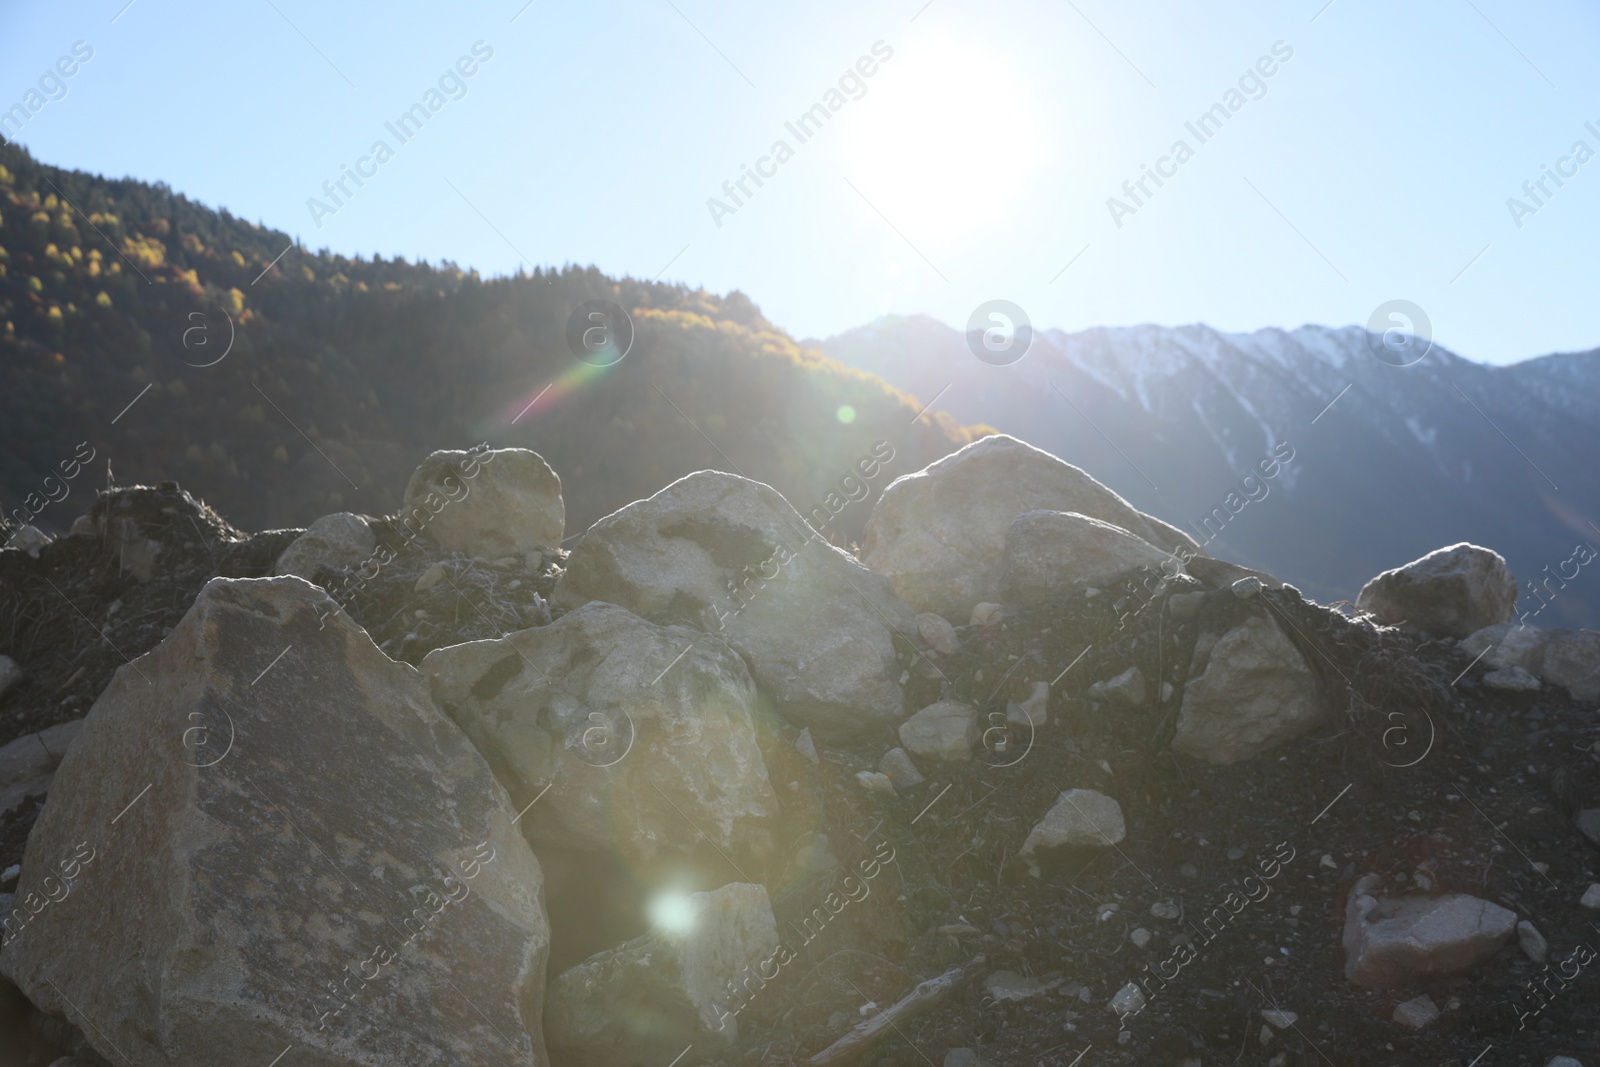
pixel 946 141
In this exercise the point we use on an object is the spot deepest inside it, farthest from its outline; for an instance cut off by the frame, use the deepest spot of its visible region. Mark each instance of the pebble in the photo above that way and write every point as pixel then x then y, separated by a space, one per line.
pixel 1166 909
pixel 1280 1019
pixel 1327 861
pixel 1236 853
pixel 1533 942
pixel 876 783
pixel 430 578
pixel 9 876
pixel 805 746
pixel 1591 897
pixel 1140 937
pixel 1416 1013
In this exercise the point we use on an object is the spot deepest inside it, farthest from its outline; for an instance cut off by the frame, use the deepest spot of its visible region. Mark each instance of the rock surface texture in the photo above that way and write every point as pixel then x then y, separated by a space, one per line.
pixel 245 853
pixel 640 733
pixel 731 557
pixel 1450 592
pixel 486 503
pixel 1249 690
pixel 1051 554
pixel 1392 942
pixel 939 535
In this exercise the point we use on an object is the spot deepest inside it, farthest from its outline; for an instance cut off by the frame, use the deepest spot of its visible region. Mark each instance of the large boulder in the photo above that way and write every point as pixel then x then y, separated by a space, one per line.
pixel 266 836
pixel 1568 658
pixel 337 540
pixel 939 535
pixel 644 1000
pixel 1450 592
pixel 1050 554
pixel 485 503
pixel 731 557
pixel 1395 942
pixel 28 764
pixel 1249 690
pixel 630 735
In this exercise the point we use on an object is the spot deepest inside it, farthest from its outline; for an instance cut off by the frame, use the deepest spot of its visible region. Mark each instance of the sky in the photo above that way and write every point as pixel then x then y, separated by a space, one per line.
pixel 983 157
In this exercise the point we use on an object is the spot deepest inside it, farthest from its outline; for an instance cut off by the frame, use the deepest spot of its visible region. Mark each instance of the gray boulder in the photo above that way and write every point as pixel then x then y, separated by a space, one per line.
pixel 731 557
pixel 1568 658
pixel 29 763
pixel 486 503
pixel 1080 818
pixel 337 540
pixel 631 735
pixel 1390 943
pixel 1450 592
pixel 939 535
pixel 1249 690
pixel 943 731
pixel 1050 554
pixel 683 983
pixel 265 836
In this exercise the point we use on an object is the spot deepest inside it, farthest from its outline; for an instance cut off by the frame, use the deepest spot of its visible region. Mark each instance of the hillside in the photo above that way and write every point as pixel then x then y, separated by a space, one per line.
pixel 345 372
pixel 1409 458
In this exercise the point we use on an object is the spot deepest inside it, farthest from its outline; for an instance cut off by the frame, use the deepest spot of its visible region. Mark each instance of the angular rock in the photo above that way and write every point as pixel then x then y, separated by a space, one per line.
pixel 10 675
pixel 939 535
pixel 986 614
pixel 1589 824
pixel 1591 897
pixel 1391 942
pixel 1416 1012
pixel 1450 592
pixel 943 731
pixel 318 859
pixel 29 763
pixel 29 539
pixel 1568 658
pixel 1126 689
pixel 901 771
pixel 806 747
pixel 1032 712
pixel 1049 554
pixel 1080 818
pixel 1249 691
pixel 669 988
pixel 876 783
pixel 1532 942
pixel 1511 680
pixel 730 556
pixel 337 540
pixel 938 633
pixel 485 503
pixel 631 735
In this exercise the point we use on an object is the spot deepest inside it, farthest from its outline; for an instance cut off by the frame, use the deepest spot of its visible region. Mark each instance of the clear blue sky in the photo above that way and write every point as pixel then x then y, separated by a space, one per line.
pixel 977 165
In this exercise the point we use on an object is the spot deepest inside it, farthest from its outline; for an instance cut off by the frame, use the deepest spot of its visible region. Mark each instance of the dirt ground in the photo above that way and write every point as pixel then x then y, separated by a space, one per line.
pixel 1423 776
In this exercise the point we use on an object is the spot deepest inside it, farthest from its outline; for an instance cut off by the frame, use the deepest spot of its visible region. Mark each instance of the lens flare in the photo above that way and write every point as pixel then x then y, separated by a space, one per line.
pixel 672 912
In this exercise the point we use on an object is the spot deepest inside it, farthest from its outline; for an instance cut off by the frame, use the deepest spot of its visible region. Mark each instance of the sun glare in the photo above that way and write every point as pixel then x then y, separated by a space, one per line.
pixel 672 912
pixel 946 142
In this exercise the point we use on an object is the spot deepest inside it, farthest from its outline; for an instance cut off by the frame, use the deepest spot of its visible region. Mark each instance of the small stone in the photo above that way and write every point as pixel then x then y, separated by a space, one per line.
pixel 1079 818
pixel 1164 909
pixel 430 578
pixel 1236 853
pixel 938 633
pixel 1130 998
pixel 1417 1012
pixel 1563 1061
pixel 942 731
pixel 1294 909
pixel 1009 985
pixel 1327 862
pixel 1511 680
pixel 9 876
pixel 876 783
pixel 1033 711
pixel 1533 942
pixel 805 746
pixel 1245 588
pixel 1126 689
pixel 1591 897
pixel 1140 937
pixel 898 766
pixel 1589 824
pixel 1266 1035
pixel 1280 1019
pixel 987 614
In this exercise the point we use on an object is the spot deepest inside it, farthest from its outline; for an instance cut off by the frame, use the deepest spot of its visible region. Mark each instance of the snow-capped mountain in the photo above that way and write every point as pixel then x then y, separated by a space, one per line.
pixel 1388 462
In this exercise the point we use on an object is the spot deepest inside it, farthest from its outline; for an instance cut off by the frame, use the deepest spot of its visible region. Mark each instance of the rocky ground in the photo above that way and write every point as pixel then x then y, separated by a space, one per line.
pixel 1406 773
